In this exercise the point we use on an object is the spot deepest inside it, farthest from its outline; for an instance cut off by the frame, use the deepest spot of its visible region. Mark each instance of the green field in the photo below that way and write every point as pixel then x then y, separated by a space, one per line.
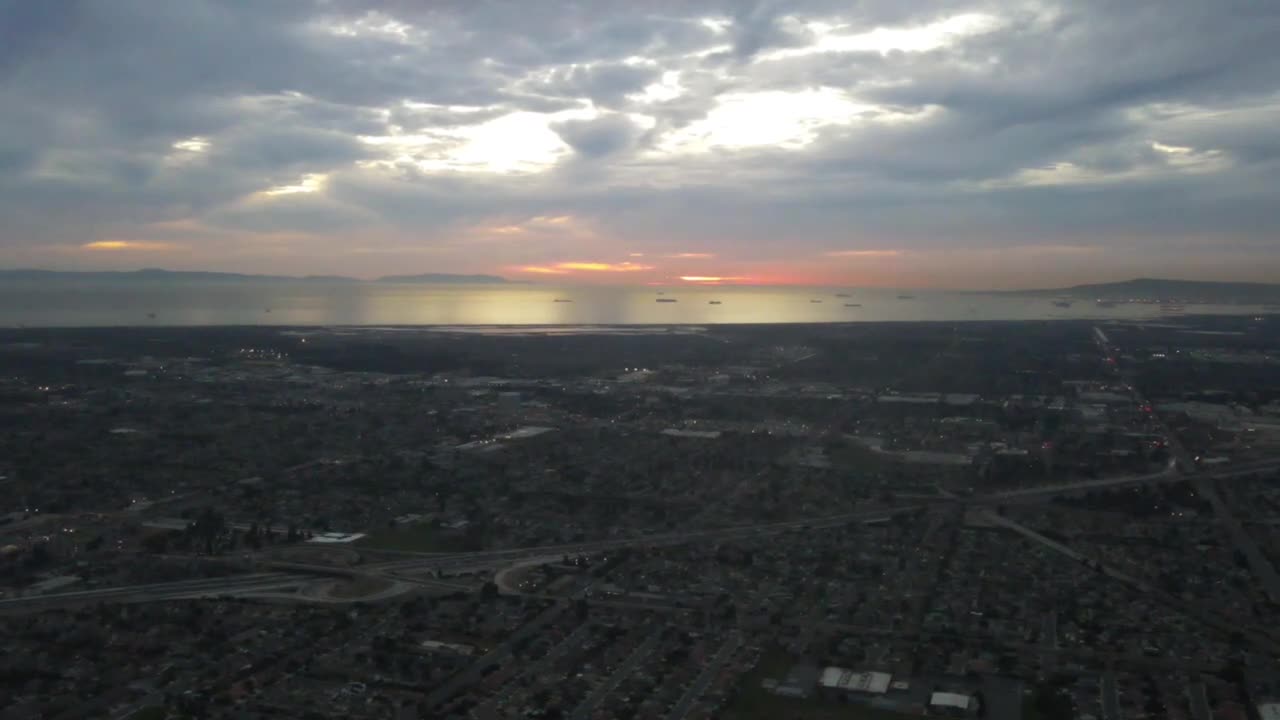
pixel 755 703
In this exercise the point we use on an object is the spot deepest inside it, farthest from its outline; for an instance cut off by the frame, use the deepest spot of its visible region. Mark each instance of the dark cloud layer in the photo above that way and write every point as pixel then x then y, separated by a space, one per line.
pixel 763 131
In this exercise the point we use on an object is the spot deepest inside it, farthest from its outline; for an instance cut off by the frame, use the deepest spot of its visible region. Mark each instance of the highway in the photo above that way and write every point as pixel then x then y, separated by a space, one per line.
pixel 1168 475
pixel 172 523
pixel 1183 459
pixel 294 573
pixel 262 582
pixel 204 587
pixel 477 559
pixel 1042 492
pixel 1258 637
pixel 1261 567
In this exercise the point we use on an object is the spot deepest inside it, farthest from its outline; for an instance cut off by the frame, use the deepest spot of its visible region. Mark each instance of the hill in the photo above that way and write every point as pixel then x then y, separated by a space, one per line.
pixel 155 275
pixel 1179 290
pixel 441 278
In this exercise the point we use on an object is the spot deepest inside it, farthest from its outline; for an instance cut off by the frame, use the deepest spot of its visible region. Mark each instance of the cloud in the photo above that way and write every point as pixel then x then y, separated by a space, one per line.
pixel 761 132
pixel 599 137
pixel 604 84
pixel 864 253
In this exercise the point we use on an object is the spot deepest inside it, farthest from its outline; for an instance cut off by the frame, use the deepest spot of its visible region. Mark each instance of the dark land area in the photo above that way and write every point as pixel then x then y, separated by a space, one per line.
pixel 1043 520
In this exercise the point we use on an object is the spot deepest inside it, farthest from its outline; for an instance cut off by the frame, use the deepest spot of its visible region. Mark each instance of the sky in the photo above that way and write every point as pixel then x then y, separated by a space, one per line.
pixel 904 143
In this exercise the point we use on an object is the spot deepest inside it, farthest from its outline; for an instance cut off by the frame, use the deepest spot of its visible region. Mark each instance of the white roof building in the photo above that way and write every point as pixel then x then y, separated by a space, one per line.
pixel 839 678
pixel 528 431
pixel 702 434
pixel 950 700
pixel 333 538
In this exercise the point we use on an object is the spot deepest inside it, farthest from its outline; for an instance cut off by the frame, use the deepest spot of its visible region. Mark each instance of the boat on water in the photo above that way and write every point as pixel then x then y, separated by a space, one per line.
pixel 1106 303
pixel 1062 303
pixel 562 300
pixel 713 302
pixel 842 294
pixel 665 300
pixel 815 301
pixel 853 304
pixel 1172 308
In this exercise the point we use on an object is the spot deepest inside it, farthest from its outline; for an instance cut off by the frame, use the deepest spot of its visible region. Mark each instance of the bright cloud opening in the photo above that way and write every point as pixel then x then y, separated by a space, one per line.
pixel 883 40
pixel 563 268
pixel 551 219
pixel 604 267
pixel 127 245
pixel 1171 149
pixel 711 279
pixel 716 25
pixel 311 182
pixel 1176 160
pixel 668 88
pixel 194 144
pixel 373 24
pixel 519 142
pixel 786 119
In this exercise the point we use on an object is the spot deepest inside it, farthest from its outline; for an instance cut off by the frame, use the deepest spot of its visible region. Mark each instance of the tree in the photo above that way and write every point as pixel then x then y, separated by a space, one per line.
pixel 39 556
pixel 156 543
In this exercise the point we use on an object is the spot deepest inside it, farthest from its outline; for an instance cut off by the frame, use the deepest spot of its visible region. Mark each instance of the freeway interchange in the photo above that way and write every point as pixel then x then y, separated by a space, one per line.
pixel 412 573
pixel 273 578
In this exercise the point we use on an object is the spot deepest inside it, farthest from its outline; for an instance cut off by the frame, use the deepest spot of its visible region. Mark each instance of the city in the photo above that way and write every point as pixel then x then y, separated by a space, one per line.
pixel 1052 519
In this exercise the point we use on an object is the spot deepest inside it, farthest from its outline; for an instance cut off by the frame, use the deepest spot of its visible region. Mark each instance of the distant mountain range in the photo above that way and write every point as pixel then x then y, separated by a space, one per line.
pixel 441 278
pixel 1179 290
pixel 155 274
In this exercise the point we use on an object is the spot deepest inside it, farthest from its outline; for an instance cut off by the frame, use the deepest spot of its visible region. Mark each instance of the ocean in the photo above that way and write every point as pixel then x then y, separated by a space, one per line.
pixel 106 303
